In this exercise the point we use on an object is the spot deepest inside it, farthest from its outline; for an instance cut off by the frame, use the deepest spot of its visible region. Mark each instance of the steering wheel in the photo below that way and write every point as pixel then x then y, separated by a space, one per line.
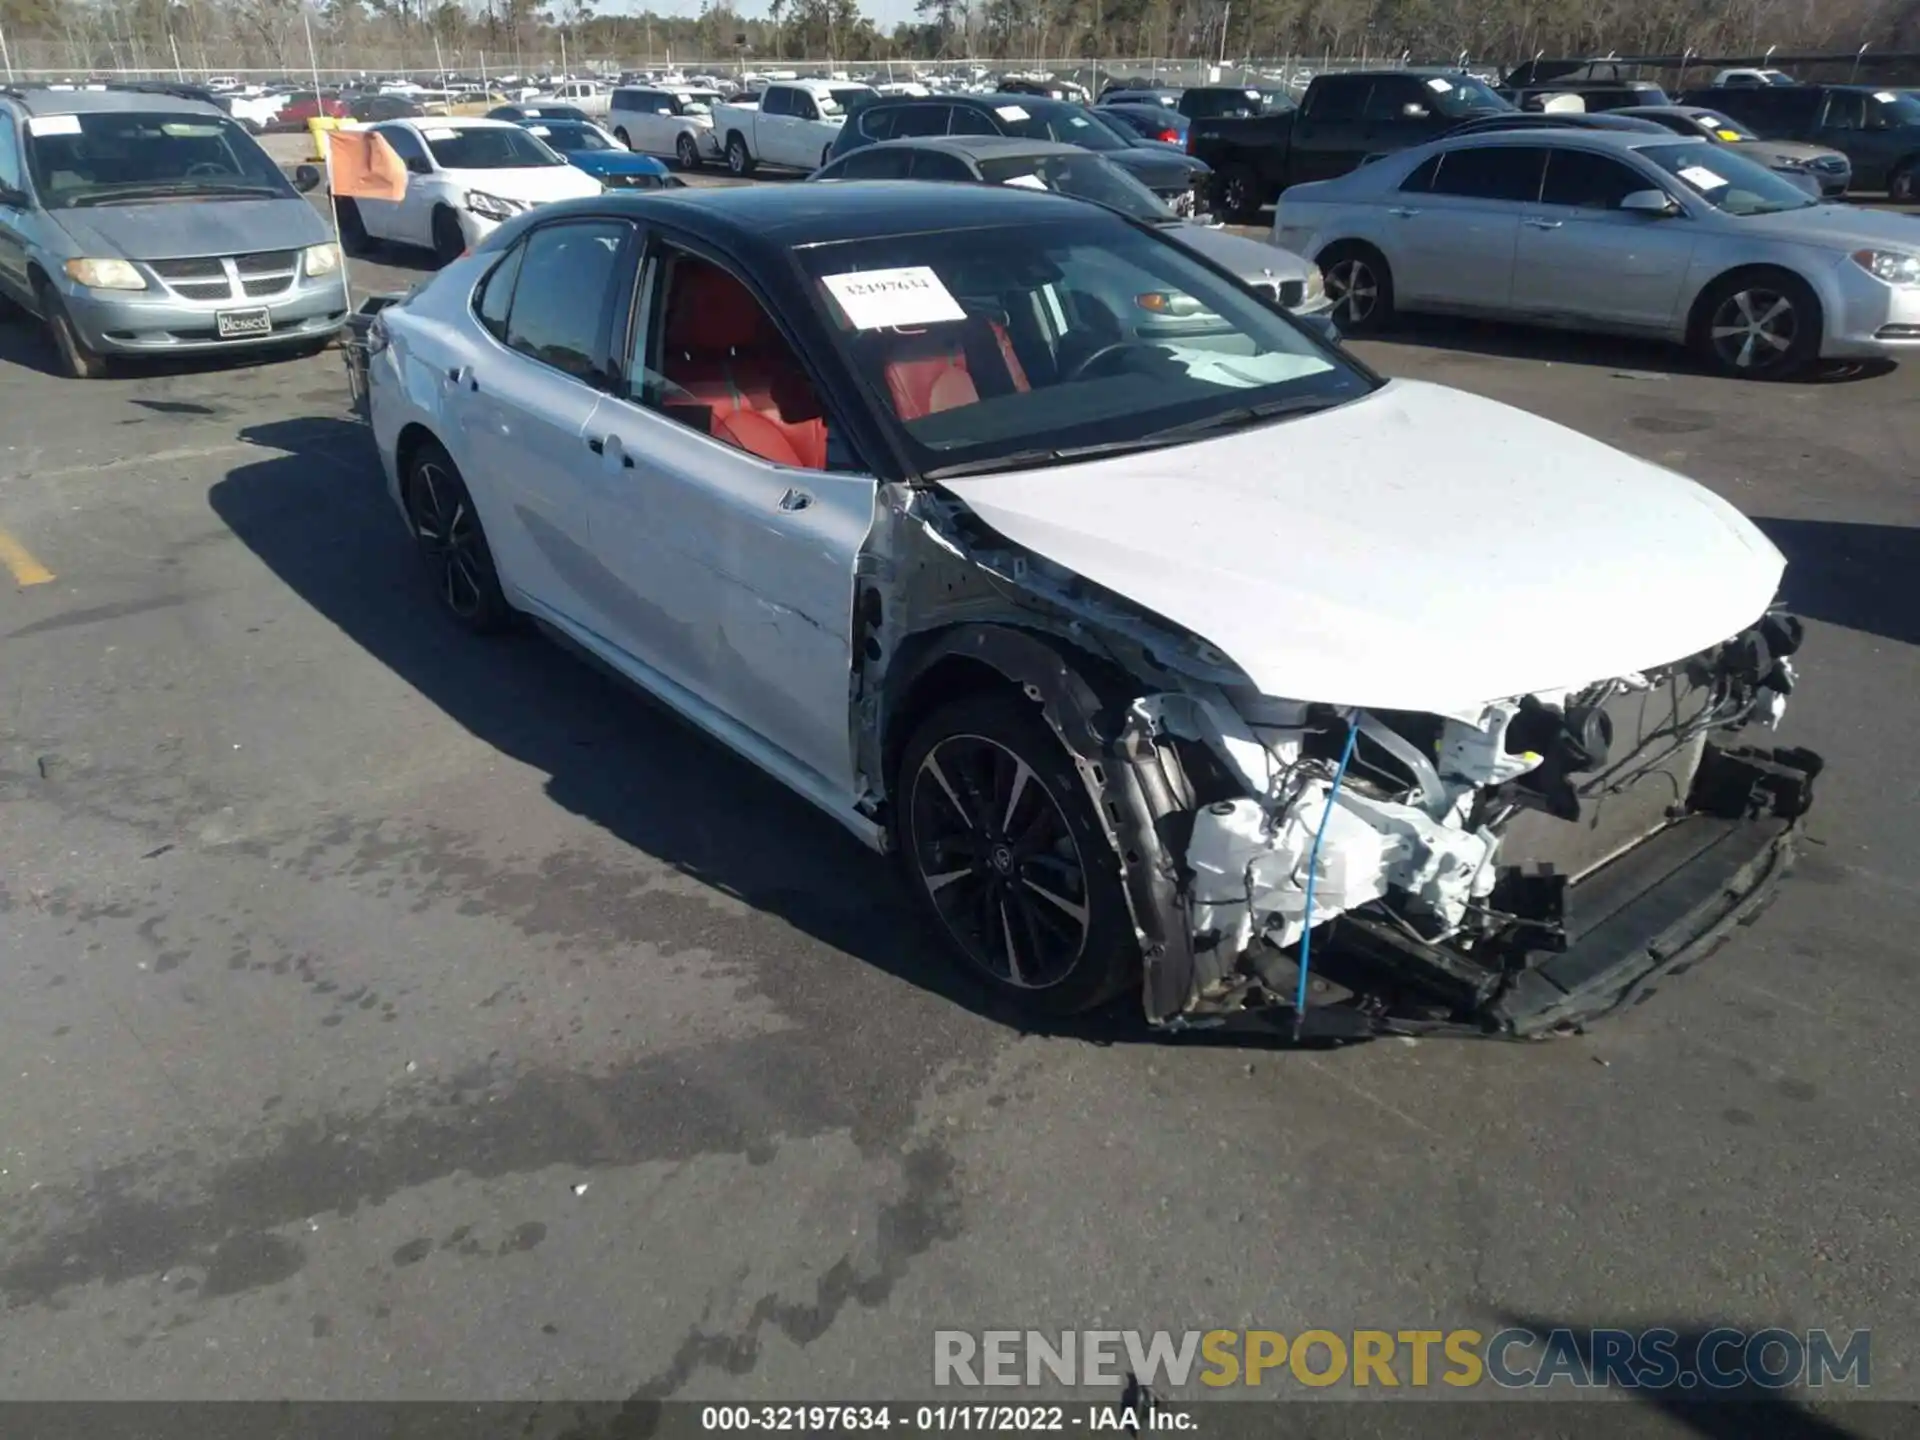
pixel 1113 347
pixel 207 167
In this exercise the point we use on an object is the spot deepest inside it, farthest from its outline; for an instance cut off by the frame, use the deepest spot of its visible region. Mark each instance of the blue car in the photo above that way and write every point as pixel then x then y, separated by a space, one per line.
pixel 591 149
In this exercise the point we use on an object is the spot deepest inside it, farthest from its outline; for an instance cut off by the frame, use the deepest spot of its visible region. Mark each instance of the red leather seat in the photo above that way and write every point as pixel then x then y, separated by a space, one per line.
pixel 723 350
pixel 928 371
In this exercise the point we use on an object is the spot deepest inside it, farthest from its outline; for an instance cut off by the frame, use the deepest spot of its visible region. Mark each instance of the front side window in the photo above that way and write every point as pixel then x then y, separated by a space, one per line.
pixel 969 121
pixel 474 147
pixel 563 292
pixel 1587 181
pixel 114 157
pixel 993 348
pixel 708 356
pixel 1339 99
pixel 912 120
pixel 1492 172
pixel 9 158
pixel 1727 181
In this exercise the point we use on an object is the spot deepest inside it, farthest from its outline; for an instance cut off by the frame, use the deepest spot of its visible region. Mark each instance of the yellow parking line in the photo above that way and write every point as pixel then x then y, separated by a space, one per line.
pixel 20 560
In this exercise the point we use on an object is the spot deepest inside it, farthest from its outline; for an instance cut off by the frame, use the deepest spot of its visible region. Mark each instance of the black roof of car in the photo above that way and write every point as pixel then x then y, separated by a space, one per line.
pixel 980 147
pixel 1556 120
pixel 763 217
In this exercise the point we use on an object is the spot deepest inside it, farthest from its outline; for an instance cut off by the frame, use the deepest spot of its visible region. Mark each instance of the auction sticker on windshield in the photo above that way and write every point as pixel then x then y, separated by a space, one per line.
pixel 1439 86
pixel 1012 112
pixel 1025 182
pixel 877 299
pixel 1702 178
pixel 444 133
pixel 53 124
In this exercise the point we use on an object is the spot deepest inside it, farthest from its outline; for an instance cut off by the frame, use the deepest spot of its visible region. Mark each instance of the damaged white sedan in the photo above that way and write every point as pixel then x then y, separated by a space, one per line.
pixel 1195 660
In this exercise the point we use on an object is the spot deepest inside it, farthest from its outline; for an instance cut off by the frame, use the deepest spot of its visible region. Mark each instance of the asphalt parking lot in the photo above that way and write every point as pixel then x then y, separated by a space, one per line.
pixel 397 1015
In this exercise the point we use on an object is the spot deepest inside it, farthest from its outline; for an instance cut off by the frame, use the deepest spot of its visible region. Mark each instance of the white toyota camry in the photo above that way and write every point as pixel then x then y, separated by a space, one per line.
pixel 1215 667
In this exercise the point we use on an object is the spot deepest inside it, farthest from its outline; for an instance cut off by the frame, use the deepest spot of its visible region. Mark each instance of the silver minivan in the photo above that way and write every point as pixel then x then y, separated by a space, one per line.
pixel 137 222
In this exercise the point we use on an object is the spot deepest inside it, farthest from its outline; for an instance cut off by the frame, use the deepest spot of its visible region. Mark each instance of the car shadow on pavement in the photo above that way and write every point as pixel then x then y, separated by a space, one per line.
pixel 24 343
pixel 319 517
pixel 1858 576
pixel 1565 347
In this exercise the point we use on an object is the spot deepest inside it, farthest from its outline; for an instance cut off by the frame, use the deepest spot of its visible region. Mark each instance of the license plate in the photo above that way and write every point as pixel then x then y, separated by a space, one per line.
pixel 234 324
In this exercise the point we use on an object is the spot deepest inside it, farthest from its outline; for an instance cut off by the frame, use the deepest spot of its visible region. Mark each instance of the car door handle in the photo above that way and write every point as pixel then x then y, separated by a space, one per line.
pixel 598 444
pixel 1403 212
pixel 463 375
pixel 795 500
pixel 1541 223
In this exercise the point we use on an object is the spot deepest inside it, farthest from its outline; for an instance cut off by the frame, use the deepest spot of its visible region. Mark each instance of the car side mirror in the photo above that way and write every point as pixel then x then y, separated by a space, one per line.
pixel 1650 202
pixel 15 198
pixel 419 165
pixel 1415 112
pixel 306 178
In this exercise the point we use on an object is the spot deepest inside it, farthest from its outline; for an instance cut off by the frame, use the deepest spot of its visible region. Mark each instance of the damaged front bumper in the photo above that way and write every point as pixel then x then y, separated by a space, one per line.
pixel 1433 914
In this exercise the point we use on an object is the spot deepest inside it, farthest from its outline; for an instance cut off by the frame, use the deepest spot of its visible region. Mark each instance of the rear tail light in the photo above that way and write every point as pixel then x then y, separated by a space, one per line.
pixel 1169 137
pixel 1192 135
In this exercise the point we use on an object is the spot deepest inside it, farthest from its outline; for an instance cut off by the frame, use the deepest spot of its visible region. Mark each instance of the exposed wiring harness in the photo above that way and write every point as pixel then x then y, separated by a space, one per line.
pixel 1313 865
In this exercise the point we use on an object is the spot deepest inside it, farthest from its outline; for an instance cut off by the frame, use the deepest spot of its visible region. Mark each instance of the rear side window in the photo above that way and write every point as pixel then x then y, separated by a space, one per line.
pixel 496 293
pixel 1421 180
pixel 937 165
pixel 1339 99
pixel 1504 172
pixel 563 294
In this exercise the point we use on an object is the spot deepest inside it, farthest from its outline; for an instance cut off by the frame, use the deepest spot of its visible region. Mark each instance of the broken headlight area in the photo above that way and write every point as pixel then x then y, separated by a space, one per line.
pixel 1512 872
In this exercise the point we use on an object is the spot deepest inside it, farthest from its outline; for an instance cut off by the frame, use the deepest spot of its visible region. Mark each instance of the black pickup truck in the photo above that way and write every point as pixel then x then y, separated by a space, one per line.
pixel 1342 120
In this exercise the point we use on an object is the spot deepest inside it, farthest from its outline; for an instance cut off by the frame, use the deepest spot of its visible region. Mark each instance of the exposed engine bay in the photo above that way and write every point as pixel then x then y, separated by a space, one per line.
pixel 1442 855
pixel 1511 870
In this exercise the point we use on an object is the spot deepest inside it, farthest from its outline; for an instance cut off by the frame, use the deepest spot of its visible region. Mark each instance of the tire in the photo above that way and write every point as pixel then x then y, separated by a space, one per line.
pixel 1025 889
pixel 1237 195
pixel 76 360
pixel 1360 286
pixel 1903 184
pixel 449 243
pixel 739 159
pixel 687 152
pixel 446 527
pixel 825 156
pixel 353 229
pixel 1758 325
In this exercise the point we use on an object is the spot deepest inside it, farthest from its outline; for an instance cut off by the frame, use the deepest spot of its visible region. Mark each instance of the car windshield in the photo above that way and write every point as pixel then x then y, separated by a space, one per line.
pixel 1897 108
pixel 1721 127
pixel 1037 119
pixel 487 147
pixel 572 139
pixel 1085 177
pixel 1462 95
pixel 126 157
pixel 844 99
pixel 1728 181
pixel 1056 340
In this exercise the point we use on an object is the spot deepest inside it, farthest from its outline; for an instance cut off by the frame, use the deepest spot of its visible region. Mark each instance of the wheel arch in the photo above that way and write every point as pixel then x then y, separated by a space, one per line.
pixel 1083 698
pixel 413 435
pixel 1751 269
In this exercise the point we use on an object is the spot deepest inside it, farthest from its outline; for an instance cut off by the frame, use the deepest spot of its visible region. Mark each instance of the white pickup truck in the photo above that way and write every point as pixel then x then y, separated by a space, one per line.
pixel 792 126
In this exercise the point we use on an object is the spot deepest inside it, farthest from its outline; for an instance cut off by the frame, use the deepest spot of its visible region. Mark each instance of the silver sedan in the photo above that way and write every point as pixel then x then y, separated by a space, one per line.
pixel 1635 233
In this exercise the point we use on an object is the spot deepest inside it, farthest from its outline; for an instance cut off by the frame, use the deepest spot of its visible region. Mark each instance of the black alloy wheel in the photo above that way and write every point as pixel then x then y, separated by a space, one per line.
pixel 447 530
pixel 1003 850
